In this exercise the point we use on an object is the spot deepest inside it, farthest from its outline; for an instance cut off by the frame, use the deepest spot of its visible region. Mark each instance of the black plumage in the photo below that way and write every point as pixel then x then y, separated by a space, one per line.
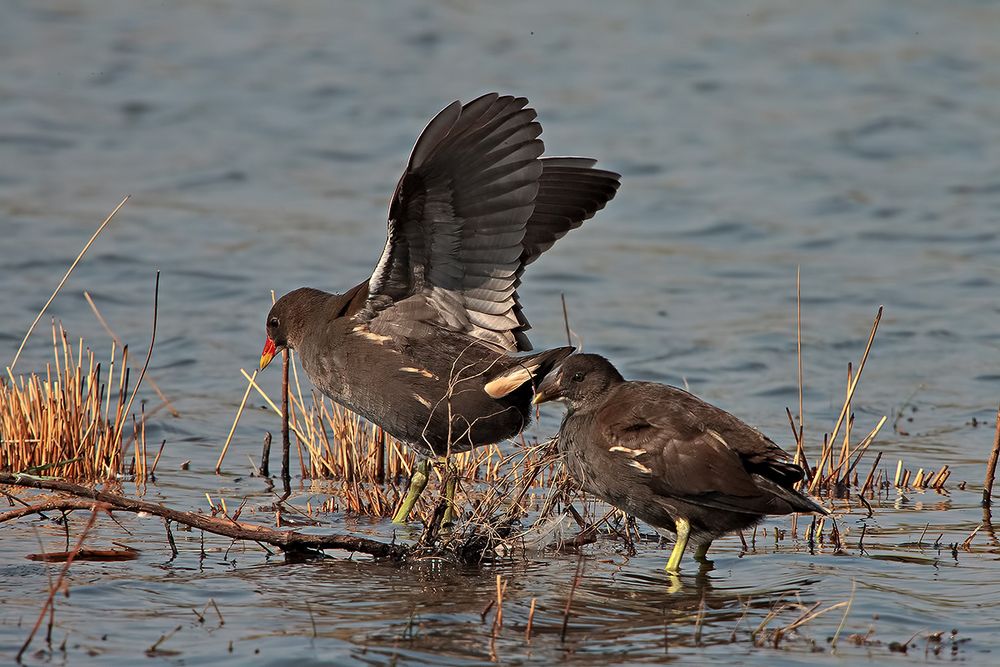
pixel 665 456
pixel 424 347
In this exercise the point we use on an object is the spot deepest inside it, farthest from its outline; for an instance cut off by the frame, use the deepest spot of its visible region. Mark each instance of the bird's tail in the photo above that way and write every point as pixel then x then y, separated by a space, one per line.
pixel 796 501
pixel 530 368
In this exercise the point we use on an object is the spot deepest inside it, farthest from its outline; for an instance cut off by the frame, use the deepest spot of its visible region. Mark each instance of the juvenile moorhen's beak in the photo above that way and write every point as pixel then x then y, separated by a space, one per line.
pixel 269 351
pixel 548 390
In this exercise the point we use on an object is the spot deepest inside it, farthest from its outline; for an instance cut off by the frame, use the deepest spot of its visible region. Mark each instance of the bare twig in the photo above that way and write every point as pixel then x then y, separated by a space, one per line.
pixel 569 598
pixel 149 354
pixel 265 454
pixel 828 452
pixel 287 540
pixel 991 466
pixel 531 620
pixel 285 445
pixel 799 451
pixel 236 420
pixel 107 327
pixel 569 338
pixel 64 279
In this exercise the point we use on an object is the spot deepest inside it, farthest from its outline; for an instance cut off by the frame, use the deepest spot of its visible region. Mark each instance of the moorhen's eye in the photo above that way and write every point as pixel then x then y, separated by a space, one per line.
pixel 577 377
pixel 273 322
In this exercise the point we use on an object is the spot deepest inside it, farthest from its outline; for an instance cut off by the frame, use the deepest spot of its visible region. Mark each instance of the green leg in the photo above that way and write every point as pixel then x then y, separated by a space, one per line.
pixel 683 530
pixel 701 553
pixel 418 480
pixel 450 485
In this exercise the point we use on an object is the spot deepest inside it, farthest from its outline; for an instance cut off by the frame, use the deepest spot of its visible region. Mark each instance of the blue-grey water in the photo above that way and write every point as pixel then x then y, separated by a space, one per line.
pixel 857 140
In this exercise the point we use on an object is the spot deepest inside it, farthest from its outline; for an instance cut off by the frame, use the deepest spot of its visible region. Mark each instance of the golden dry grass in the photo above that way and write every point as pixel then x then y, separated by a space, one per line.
pixel 372 468
pixel 74 420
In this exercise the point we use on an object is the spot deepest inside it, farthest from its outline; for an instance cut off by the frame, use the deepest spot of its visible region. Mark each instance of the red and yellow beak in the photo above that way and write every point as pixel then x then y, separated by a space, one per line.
pixel 269 351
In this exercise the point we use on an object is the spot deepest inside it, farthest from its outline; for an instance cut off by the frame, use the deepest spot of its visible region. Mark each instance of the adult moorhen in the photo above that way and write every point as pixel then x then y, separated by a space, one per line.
pixel 667 457
pixel 423 347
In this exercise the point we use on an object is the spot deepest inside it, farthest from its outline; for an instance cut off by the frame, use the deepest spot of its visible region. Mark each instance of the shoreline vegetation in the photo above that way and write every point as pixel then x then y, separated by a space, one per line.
pixel 73 428
pixel 75 422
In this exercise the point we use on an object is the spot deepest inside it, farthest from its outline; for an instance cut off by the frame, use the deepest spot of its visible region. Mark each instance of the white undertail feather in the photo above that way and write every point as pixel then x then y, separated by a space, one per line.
pixel 509 381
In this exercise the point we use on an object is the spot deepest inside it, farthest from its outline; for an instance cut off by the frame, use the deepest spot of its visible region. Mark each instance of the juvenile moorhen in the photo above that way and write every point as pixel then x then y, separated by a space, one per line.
pixel 423 347
pixel 667 457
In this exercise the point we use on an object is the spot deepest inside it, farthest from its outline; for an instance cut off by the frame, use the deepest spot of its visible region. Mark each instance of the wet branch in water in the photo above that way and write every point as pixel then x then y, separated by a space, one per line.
pixel 83 497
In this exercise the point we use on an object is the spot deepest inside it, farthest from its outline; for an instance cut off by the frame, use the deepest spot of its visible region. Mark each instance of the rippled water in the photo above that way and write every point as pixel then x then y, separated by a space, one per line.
pixel 260 141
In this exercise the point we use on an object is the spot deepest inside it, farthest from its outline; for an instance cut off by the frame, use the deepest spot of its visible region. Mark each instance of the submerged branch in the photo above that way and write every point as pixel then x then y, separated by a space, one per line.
pixel 286 540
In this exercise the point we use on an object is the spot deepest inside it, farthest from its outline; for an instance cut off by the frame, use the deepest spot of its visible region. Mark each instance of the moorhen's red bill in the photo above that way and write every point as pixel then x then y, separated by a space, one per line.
pixel 423 347
pixel 667 457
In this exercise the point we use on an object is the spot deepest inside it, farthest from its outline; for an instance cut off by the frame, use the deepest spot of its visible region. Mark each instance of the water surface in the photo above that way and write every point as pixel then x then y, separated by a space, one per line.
pixel 259 141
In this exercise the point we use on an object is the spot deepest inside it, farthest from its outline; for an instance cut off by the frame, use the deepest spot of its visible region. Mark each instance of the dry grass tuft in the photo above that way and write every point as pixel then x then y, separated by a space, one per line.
pixel 73 421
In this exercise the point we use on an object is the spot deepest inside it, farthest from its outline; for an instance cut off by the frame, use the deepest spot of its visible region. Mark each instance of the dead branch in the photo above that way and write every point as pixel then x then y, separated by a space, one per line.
pixel 286 540
pixel 991 466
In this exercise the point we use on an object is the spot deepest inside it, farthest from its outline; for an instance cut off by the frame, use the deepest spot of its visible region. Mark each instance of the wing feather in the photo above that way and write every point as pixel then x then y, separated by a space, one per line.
pixel 727 465
pixel 476 203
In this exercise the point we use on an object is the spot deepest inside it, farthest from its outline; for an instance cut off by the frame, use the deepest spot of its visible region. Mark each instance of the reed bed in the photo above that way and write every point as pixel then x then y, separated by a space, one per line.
pixel 836 472
pixel 372 468
pixel 75 420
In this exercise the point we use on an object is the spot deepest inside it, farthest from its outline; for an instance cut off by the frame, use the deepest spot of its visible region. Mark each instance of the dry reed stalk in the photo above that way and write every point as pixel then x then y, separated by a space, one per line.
pixel 800 431
pixel 62 282
pixel 569 598
pixel 239 413
pixel 57 425
pixel 991 465
pixel 107 327
pixel 819 480
pixel 905 479
pixel 868 485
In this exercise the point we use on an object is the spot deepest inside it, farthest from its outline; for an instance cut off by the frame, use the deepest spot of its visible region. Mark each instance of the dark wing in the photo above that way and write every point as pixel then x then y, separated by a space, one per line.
pixel 698 453
pixel 462 221
pixel 457 220
pixel 570 190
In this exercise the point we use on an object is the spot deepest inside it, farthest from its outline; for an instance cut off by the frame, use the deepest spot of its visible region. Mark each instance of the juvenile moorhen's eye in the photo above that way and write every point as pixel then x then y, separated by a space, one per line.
pixel 273 322
pixel 577 377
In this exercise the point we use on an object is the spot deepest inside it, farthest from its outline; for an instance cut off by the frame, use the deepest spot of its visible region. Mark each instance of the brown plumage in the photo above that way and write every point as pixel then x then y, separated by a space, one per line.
pixel 665 456
pixel 423 347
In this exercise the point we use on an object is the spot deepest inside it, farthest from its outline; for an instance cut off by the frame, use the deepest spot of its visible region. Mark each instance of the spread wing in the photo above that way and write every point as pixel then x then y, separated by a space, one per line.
pixel 475 204
pixel 701 454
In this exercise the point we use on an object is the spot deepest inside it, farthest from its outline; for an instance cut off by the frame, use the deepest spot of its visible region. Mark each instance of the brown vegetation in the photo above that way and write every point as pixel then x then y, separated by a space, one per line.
pixel 74 421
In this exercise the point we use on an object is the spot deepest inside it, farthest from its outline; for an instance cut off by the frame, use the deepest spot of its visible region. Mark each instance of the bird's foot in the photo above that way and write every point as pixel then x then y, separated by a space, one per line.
pixel 701 556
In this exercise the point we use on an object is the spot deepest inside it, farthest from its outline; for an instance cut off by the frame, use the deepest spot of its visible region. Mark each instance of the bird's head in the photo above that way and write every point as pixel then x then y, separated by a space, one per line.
pixel 285 321
pixel 580 378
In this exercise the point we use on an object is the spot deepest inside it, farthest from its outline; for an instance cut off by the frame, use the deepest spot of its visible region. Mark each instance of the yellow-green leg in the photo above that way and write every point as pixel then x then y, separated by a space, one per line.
pixel 701 553
pixel 418 480
pixel 683 527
